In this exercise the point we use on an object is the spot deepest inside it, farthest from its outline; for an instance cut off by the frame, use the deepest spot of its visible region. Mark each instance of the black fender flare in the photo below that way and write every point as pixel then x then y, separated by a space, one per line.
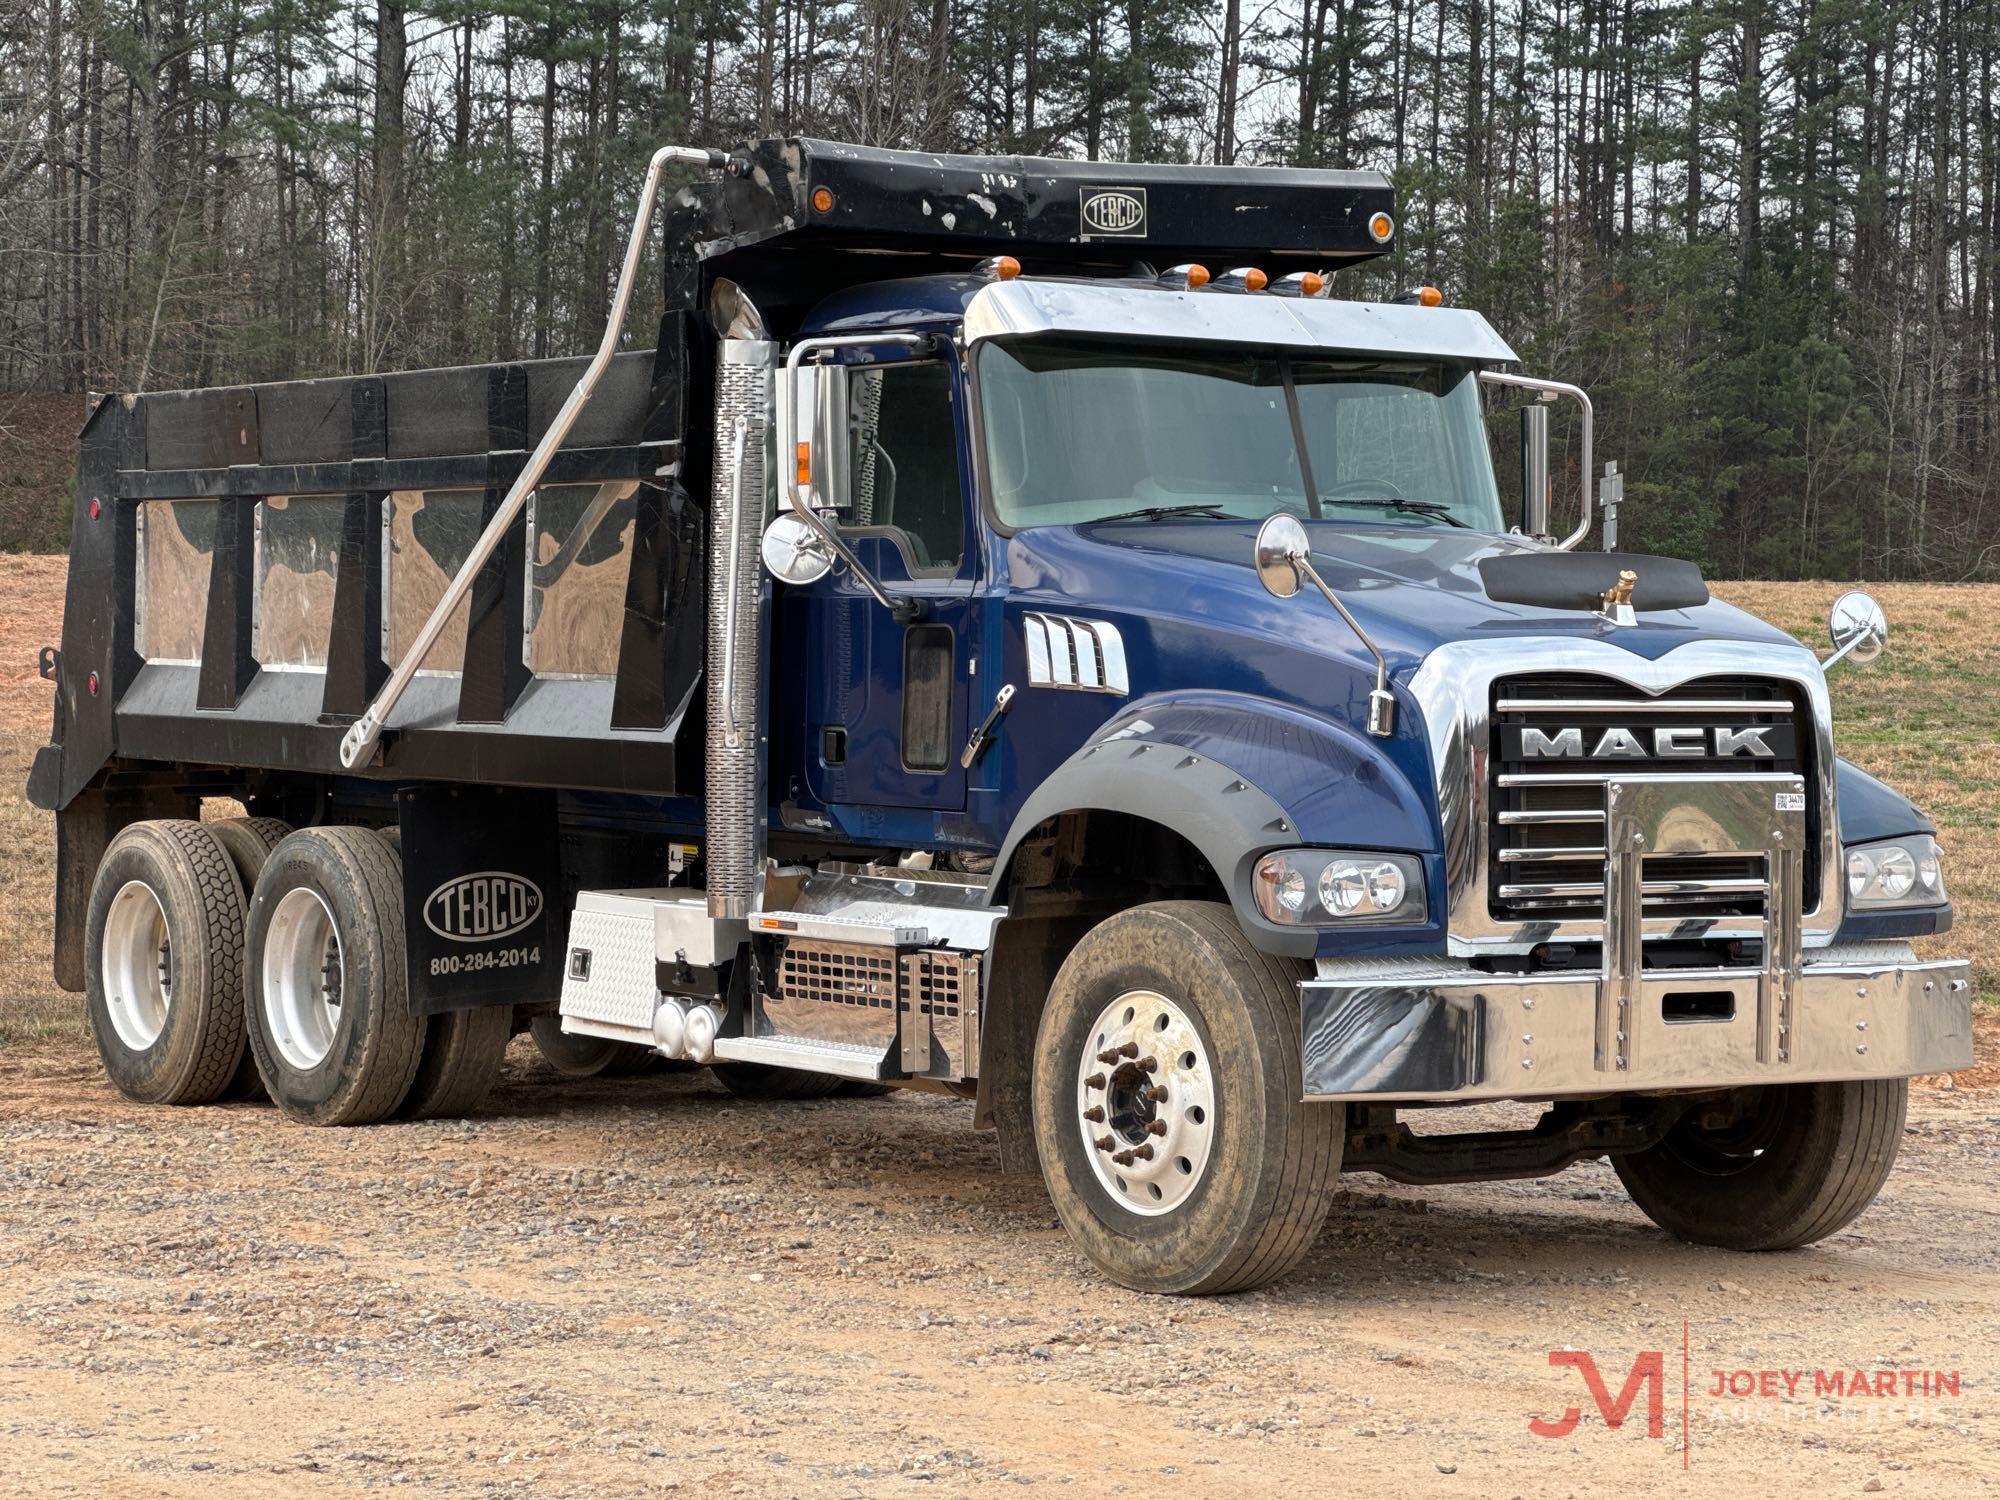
pixel 1222 814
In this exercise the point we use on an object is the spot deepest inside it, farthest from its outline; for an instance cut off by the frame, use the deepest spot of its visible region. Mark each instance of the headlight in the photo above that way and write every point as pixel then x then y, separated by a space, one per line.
pixel 1343 887
pixel 1895 872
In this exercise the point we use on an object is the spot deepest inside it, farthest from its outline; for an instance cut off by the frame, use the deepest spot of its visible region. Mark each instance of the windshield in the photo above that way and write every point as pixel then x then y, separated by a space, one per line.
pixel 1082 431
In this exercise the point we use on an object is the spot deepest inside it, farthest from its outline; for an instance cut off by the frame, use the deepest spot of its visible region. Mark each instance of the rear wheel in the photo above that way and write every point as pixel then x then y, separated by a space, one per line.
pixel 165 985
pixel 587 1056
pixel 330 1021
pixel 1166 1100
pixel 249 842
pixel 748 1080
pixel 1784 1166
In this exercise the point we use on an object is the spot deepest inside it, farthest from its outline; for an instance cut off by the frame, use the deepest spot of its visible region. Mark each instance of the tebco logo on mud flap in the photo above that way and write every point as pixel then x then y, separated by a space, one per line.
pixel 482 907
pixel 1115 211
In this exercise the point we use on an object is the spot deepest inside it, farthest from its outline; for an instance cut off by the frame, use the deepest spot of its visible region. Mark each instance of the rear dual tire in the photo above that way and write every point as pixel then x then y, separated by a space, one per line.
pixel 335 1039
pixel 165 988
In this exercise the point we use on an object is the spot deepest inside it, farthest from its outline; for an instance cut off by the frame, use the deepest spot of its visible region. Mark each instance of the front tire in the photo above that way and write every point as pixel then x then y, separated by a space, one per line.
pixel 330 1018
pixel 165 985
pixel 1172 1136
pixel 1796 1163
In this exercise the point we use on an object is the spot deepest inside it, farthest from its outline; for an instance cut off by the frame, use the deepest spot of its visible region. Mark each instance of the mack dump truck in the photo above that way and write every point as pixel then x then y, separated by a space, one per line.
pixel 1016 633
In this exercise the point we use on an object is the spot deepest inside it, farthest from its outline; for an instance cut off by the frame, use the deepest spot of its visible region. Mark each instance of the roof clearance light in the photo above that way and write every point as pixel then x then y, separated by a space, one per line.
pixel 1380 228
pixel 1244 279
pixel 1189 276
pixel 1300 284
pixel 1001 267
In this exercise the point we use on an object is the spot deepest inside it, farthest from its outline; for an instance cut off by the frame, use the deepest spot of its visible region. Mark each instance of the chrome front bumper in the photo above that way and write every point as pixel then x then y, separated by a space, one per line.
pixel 1432 1029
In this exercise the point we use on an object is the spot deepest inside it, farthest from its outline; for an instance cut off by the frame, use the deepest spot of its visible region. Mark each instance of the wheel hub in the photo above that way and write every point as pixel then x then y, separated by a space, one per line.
pixel 138 965
pixel 1146 1102
pixel 301 979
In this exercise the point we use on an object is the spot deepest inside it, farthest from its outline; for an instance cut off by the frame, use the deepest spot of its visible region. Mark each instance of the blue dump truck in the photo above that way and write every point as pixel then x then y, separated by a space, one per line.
pixel 1016 634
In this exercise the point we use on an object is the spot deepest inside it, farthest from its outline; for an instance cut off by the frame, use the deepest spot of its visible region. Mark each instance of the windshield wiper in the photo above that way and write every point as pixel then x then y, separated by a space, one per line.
pixel 1164 512
pixel 1396 502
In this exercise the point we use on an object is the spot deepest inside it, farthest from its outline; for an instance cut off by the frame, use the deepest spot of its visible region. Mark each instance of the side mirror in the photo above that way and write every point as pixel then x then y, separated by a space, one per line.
pixel 1535 469
pixel 824 450
pixel 1281 547
pixel 793 552
pixel 1857 627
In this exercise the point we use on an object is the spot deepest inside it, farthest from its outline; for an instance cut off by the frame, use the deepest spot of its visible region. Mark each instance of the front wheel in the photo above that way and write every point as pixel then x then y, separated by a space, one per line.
pixel 1172 1136
pixel 1773 1169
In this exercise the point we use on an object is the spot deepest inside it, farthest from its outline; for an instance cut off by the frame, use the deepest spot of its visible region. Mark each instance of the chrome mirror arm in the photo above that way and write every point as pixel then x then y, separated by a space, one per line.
pixel 799 497
pixel 1576 393
pixel 1381 702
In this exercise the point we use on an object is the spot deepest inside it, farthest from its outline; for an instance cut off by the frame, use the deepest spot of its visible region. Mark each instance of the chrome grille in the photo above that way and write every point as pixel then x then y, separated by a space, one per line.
pixel 1547 834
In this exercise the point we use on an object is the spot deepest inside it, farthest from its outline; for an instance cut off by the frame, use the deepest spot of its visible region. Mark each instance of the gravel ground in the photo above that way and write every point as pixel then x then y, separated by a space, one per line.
pixel 645 1286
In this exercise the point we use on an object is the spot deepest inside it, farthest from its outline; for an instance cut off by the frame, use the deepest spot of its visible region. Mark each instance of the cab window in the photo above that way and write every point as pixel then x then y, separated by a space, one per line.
pixel 903 467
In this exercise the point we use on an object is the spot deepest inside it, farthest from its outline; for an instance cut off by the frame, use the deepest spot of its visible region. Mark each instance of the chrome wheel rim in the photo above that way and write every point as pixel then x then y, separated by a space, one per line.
pixel 138 965
pixel 302 976
pixel 1145 1101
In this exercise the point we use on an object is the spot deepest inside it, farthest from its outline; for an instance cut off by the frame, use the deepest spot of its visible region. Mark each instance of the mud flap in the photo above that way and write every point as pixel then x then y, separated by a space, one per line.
pixel 480 883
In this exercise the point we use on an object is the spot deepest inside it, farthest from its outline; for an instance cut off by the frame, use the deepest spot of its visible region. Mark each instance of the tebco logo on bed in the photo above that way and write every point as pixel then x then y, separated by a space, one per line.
pixel 483 907
pixel 1116 211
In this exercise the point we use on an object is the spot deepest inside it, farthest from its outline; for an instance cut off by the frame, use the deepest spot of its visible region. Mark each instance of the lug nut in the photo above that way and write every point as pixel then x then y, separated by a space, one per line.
pixel 1142 1153
pixel 1103 1143
pixel 1122 1158
pixel 1148 1064
pixel 1113 1054
pixel 1094 1081
pixel 1094 1114
pixel 1156 1127
pixel 1157 1094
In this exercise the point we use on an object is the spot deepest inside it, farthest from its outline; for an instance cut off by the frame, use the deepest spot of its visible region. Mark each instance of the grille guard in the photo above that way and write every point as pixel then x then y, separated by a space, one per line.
pixel 1454 687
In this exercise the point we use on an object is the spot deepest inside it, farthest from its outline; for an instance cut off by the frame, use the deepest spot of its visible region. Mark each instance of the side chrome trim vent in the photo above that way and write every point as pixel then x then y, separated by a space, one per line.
pixel 1083 655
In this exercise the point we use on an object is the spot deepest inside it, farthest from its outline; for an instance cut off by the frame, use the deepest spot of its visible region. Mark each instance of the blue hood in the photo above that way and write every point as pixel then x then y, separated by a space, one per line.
pixel 1413 588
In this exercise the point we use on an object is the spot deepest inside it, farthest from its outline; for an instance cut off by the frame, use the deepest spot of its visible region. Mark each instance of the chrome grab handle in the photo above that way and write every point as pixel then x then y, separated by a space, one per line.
pixel 731 736
pixel 359 741
pixel 1582 399
pixel 1002 701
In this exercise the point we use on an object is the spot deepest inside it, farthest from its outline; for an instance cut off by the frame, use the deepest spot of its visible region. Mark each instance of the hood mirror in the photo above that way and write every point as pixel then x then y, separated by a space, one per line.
pixel 1858 628
pixel 1281 547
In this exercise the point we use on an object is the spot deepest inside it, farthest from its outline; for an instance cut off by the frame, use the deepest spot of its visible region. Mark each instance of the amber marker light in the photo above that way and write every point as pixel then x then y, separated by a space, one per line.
pixel 1380 227
pixel 805 463
pixel 1429 296
pixel 822 200
pixel 1001 267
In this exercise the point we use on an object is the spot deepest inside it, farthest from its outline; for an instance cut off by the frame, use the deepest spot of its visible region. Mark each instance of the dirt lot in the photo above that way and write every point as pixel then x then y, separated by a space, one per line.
pixel 644 1286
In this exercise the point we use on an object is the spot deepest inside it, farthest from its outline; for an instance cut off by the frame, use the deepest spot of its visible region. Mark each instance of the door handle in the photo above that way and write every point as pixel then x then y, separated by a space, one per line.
pixel 986 727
